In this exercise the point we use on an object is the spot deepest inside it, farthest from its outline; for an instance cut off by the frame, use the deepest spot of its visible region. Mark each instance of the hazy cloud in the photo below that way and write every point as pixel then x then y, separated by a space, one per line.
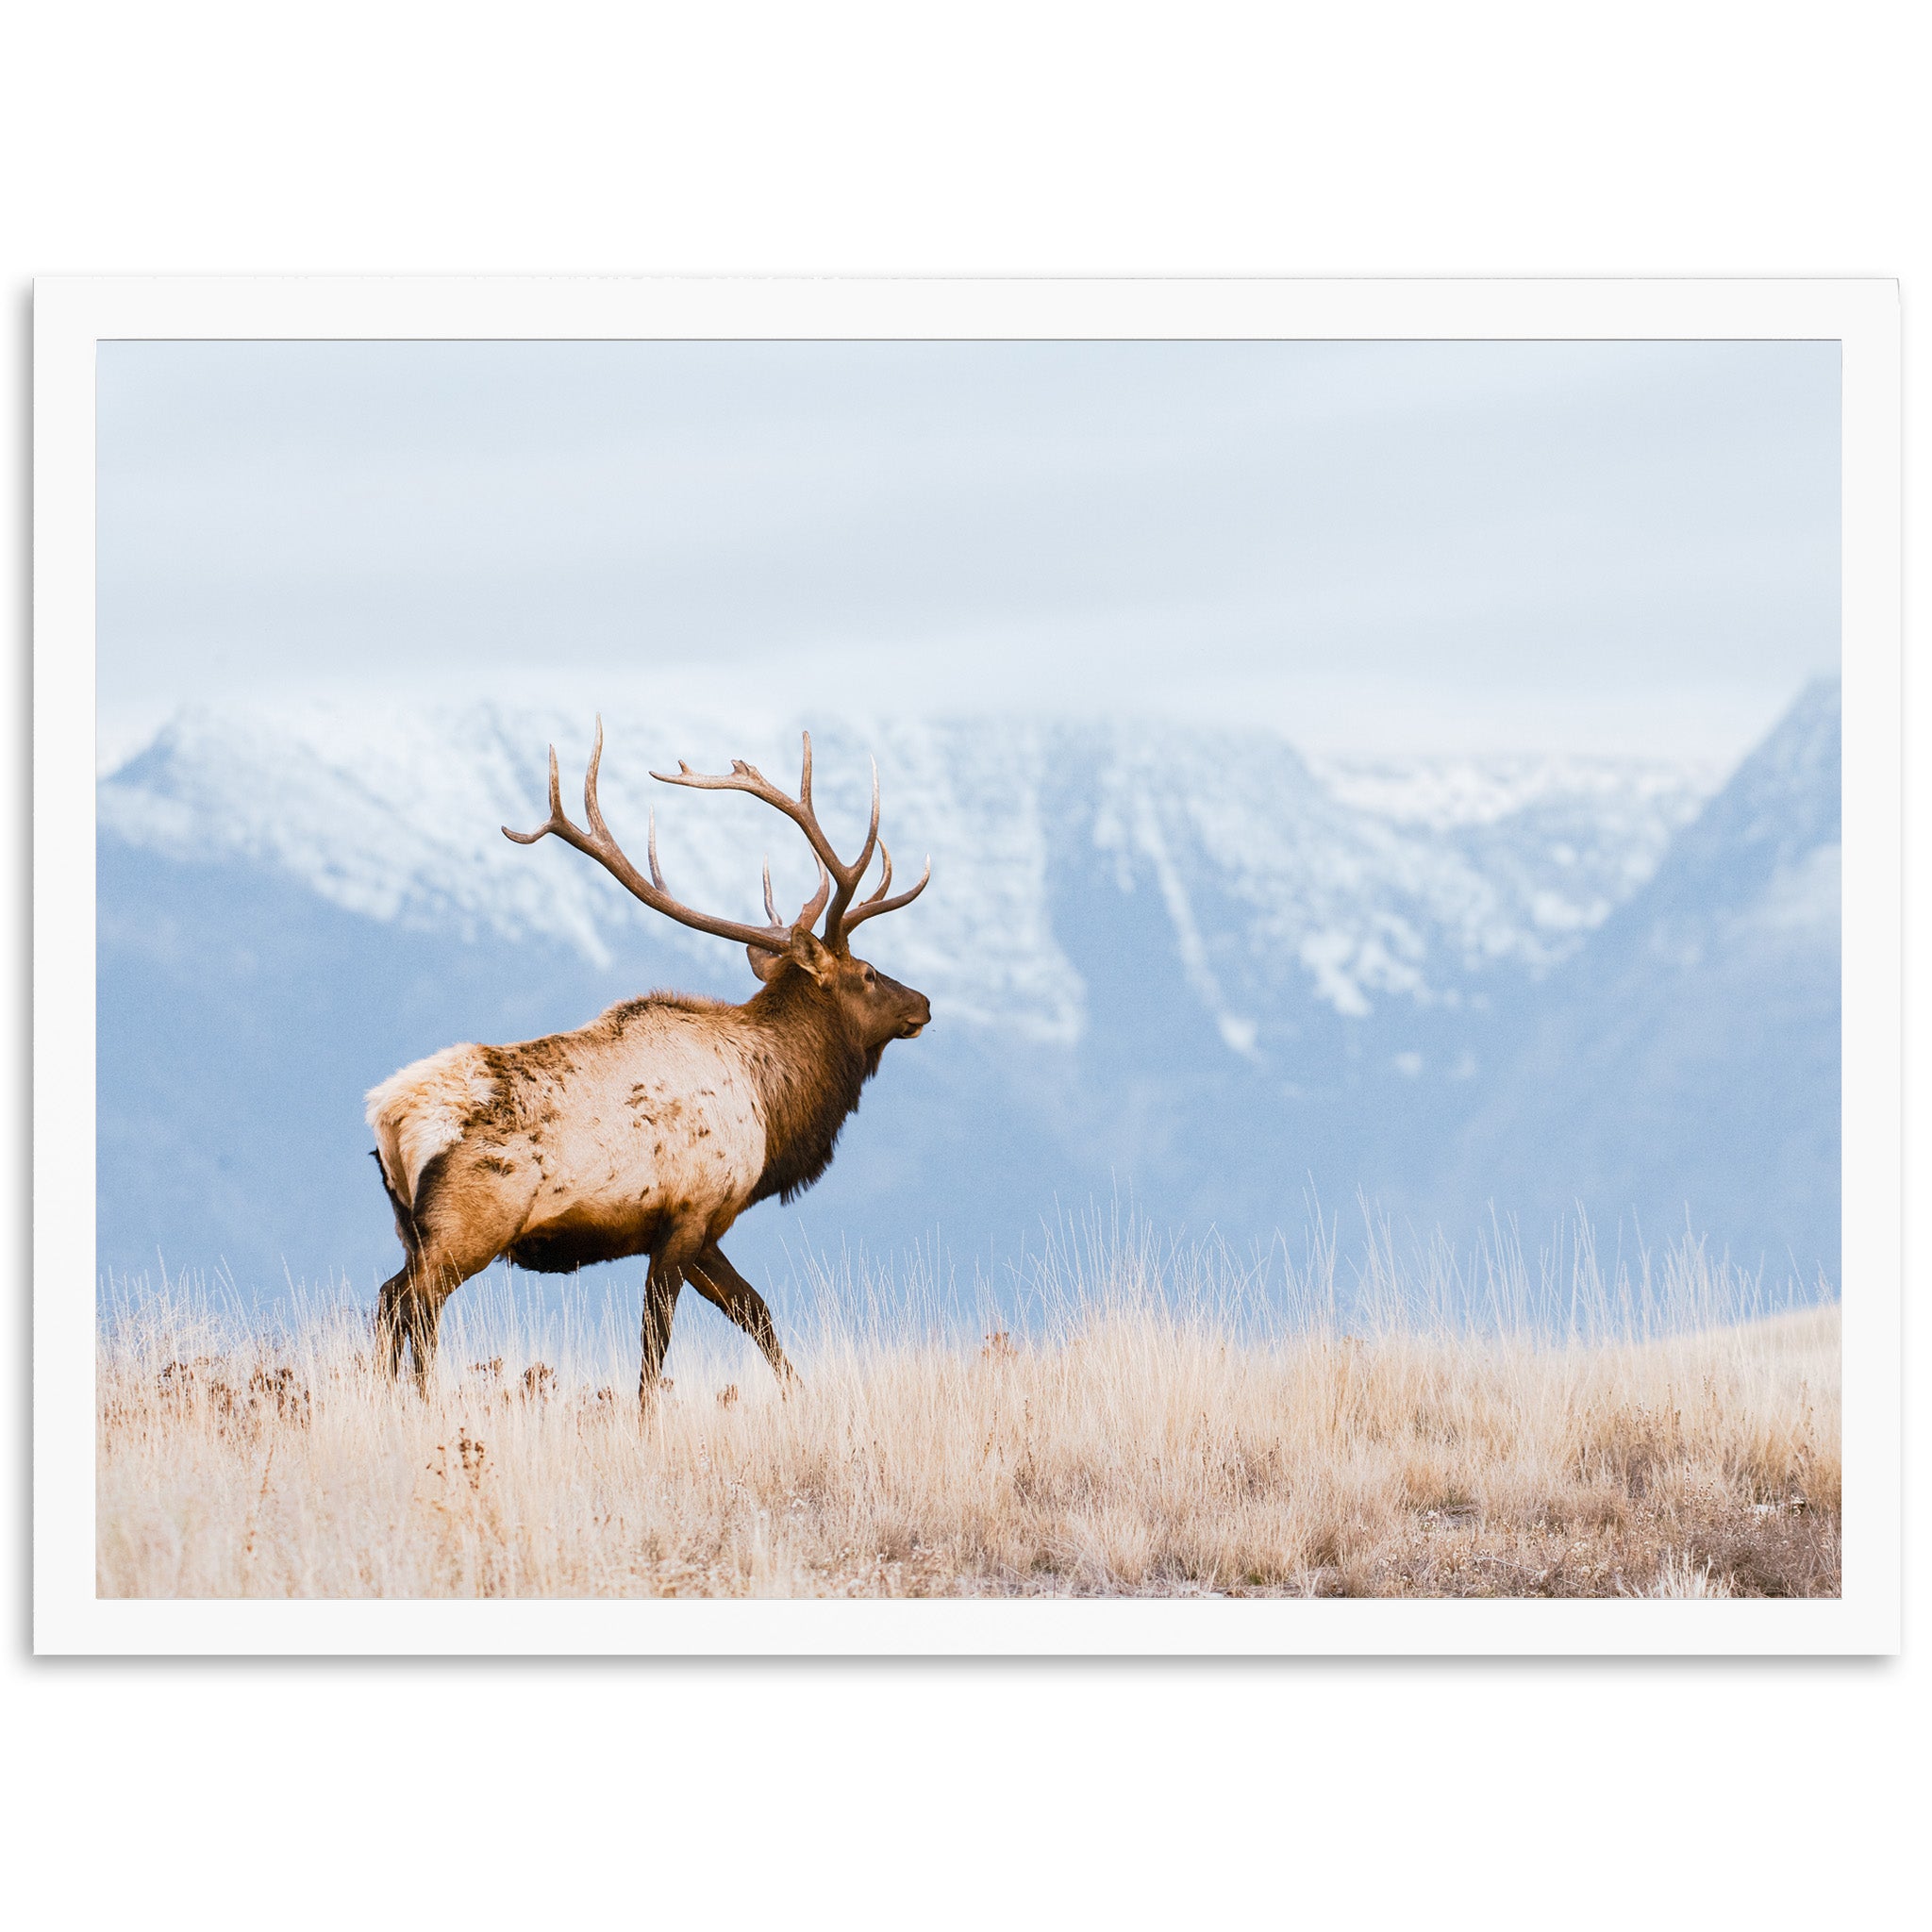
pixel 1381 546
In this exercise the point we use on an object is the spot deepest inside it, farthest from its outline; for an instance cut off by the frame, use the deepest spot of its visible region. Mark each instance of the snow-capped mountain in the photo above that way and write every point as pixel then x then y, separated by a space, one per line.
pixel 1189 964
pixel 1703 1023
pixel 1328 877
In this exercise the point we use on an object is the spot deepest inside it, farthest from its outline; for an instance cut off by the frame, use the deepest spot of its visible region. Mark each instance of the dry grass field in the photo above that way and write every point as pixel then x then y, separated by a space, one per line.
pixel 1167 1428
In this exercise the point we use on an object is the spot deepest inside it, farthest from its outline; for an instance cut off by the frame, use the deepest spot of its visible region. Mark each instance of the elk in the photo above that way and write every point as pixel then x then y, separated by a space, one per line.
pixel 652 1129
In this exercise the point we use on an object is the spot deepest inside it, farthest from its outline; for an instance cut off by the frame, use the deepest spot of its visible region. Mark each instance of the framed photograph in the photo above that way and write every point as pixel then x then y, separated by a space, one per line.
pixel 966 966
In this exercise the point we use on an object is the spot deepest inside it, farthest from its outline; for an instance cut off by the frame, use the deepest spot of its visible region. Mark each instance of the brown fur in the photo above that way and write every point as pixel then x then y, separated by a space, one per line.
pixel 808 1079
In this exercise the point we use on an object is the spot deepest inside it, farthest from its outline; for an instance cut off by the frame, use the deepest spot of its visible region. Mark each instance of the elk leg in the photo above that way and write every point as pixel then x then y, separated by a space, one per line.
pixel 424 1315
pixel 389 1319
pixel 461 1229
pixel 406 1312
pixel 654 1332
pixel 675 1250
pixel 720 1283
pixel 409 1310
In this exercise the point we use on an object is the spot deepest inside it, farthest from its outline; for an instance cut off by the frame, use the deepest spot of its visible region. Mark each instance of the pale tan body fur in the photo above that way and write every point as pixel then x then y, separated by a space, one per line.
pixel 646 1117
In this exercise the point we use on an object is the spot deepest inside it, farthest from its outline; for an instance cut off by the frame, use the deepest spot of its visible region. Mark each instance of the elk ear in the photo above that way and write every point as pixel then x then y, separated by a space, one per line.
pixel 764 963
pixel 809 954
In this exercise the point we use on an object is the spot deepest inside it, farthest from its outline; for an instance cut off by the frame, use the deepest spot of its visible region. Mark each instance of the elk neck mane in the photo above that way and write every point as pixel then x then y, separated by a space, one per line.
pixel 810 1071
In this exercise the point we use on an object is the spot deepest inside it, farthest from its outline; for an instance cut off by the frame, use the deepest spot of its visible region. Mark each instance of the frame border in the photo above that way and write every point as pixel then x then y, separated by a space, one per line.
pixel 72 315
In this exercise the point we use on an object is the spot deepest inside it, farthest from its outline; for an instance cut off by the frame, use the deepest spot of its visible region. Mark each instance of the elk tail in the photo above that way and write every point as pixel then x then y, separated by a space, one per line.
pixel 405 1219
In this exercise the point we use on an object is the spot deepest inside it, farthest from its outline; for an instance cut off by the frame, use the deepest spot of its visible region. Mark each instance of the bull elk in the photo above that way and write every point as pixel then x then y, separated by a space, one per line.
pixel 652 1129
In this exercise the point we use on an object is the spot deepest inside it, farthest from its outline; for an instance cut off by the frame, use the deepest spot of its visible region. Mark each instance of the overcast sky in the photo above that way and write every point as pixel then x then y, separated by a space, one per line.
pixel 1377 547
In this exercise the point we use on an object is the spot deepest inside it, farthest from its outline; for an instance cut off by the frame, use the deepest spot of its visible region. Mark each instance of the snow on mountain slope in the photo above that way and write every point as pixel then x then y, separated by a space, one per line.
pixel 1565 840
pixel 1347 885
pixel 1764 858
pixel 1703 1020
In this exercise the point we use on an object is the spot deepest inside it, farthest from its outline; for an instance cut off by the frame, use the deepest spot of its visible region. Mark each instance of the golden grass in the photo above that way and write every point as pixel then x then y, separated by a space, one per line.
pixel 1143 1443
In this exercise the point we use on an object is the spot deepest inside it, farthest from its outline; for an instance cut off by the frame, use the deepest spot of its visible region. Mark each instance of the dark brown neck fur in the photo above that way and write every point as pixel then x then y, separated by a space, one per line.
pixel 810 1068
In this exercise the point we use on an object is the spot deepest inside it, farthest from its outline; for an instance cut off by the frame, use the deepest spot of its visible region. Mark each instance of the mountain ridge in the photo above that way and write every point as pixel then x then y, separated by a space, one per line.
pixel 398 820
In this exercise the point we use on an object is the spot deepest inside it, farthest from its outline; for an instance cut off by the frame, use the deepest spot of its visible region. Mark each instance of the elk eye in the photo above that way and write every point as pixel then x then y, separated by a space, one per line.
pixel 871 978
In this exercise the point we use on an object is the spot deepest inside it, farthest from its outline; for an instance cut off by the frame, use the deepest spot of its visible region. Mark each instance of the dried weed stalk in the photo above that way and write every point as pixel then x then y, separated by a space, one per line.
pixel 1136 1452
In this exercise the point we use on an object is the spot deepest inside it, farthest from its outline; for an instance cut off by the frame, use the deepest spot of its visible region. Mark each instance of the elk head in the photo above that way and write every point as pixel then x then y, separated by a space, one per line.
pixel 872 1008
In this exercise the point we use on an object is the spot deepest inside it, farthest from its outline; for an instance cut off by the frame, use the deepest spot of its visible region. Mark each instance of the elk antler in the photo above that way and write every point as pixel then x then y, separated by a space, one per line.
pixel 599 844
pixel 842 915
pixel 877 903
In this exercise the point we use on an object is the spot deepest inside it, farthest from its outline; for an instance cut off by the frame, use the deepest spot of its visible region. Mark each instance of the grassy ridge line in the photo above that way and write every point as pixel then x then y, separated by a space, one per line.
pixel 1145 1445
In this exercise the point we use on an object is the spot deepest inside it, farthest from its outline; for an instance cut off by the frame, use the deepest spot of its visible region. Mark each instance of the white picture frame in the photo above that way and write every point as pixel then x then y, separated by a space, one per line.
pixel 74 315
